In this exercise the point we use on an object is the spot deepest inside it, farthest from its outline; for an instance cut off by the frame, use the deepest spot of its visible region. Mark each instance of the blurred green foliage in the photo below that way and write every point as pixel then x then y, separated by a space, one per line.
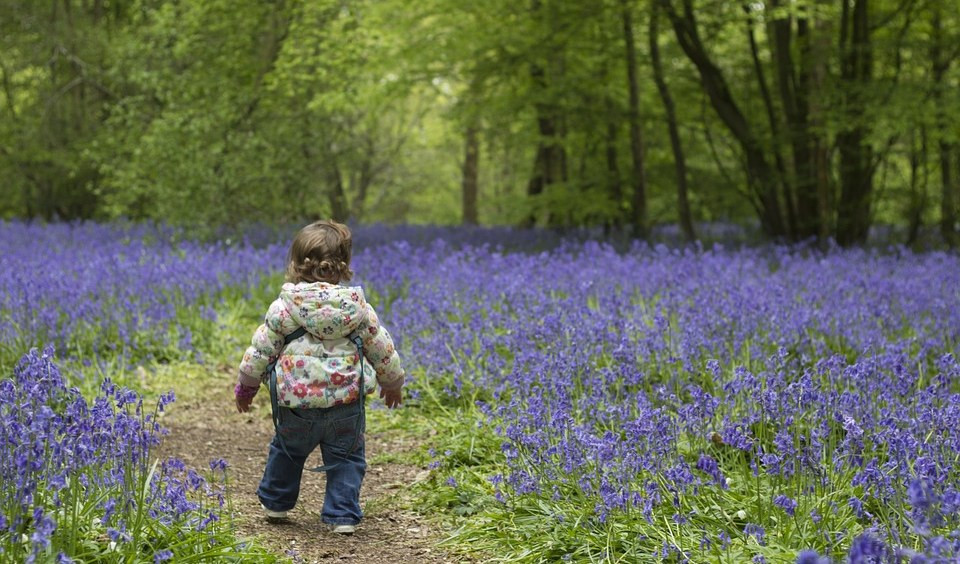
pixel 230 110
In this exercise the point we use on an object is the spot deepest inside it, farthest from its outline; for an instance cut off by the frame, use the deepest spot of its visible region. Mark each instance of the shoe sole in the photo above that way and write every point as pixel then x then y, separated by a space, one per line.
pixel 274 516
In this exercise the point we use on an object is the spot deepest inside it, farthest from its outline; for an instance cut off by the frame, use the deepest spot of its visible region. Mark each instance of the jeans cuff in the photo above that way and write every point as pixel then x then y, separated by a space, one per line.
pixel 273 506
pixel 339 521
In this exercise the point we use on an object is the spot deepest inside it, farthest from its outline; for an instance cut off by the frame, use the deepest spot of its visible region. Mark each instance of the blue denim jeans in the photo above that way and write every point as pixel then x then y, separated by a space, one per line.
pixel 334 430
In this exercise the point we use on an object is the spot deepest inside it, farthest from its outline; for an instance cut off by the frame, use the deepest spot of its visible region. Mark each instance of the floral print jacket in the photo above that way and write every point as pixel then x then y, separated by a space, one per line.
pixel 320 368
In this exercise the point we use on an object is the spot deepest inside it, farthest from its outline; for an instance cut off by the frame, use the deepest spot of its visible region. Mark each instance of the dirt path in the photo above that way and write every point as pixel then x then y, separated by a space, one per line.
pixel 205 429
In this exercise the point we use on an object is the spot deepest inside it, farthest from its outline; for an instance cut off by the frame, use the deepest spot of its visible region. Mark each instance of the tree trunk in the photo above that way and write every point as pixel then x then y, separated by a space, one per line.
pixel 364 179
pixel 470 171
pixel 761 175
pixel 856 182
pixel 613 170
pixel 795 91
pixel 802 136
pixel 948 199
pixel 639 196
pixel 918 186
pixel 784 178
pixel 338 196
pixel 956 188
pixel 947 149
pixel 550 161
pixel 679 160
pixel 856 155
pixel 817 46
pixel 537 181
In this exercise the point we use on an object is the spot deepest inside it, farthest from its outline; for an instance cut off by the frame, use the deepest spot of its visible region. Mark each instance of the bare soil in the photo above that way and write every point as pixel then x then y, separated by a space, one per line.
pixel 209 427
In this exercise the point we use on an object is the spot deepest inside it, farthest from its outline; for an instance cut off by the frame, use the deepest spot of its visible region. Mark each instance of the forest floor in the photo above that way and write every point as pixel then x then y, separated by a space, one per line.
pixel 205 426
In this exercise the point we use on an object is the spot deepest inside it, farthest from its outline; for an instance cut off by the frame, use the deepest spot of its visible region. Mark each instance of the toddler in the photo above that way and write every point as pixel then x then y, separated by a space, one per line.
pixel 318 342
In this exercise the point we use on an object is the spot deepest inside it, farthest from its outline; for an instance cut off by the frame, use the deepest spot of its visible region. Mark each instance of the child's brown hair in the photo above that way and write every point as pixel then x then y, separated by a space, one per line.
pixel 321 252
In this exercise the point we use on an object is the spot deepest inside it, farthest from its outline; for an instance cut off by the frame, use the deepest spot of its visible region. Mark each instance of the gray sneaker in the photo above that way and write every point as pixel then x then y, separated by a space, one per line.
pixel 274 516
pixel 344 529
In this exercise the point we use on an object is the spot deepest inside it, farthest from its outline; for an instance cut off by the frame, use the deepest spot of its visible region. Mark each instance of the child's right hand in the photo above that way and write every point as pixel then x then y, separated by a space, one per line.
pixel 393 398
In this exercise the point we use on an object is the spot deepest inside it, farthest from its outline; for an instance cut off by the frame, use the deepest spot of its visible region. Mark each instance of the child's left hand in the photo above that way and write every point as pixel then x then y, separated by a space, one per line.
pixel 244 395
pixel 243 404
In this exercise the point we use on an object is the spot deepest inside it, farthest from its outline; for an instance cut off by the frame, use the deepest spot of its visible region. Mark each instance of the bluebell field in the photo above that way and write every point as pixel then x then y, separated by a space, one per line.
pixel 78 482
pixel 100 290
pixel 769 399
pixel 707 403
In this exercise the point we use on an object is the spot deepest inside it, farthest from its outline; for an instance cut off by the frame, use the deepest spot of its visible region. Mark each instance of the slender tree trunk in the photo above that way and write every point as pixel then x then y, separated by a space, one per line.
pixel 956 185
pixel 614 182
pixel 947 149
pixel 27 195
pixel 471 158
pixel 819 44
pixel 8 91
pixel 537 181
pixel 338 196
pixel 364 179
pixel 948 195
pixel 679 160
pixel 506 175
pixel 550 162
pixel 795 90
pixel 614 187
pixel 784 178
pixel 26 192
pixel 856 155
pixel 918 186
pixel 56 123
pixel 802 137
pixel 762 176
pixel 639 196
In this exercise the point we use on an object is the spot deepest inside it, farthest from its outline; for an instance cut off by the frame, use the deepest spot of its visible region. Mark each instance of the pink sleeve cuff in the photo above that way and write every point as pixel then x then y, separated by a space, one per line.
pixel 248 381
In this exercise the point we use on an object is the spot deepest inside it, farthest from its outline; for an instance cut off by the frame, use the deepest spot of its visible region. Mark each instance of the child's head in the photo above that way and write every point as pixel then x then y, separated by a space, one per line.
pixel 320 253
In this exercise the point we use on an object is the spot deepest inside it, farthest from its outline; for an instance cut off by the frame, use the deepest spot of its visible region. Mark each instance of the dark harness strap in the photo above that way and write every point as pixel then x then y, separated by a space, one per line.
pixel 272 375
pixel 355 338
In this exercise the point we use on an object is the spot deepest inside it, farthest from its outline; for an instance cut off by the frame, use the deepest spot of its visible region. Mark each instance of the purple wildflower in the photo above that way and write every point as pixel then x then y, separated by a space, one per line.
pixel 788 505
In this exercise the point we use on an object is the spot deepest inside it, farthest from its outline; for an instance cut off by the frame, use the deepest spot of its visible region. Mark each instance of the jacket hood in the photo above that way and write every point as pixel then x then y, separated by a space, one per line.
pixel 327 311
